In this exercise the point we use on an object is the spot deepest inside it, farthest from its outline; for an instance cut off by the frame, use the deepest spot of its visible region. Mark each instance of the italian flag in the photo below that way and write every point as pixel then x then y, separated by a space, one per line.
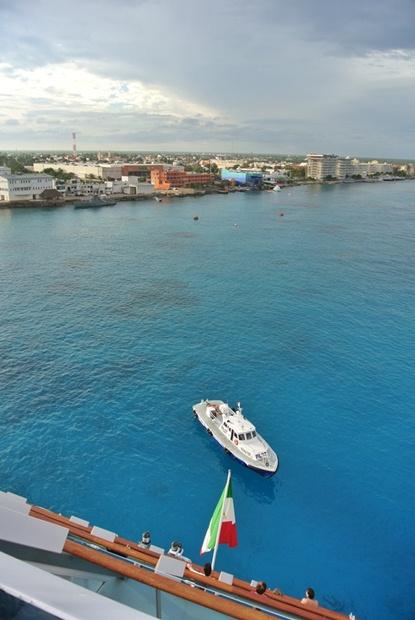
pixel 222 526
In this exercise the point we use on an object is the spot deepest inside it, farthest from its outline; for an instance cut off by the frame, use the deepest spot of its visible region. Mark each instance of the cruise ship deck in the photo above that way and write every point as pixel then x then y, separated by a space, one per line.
pixel 55 566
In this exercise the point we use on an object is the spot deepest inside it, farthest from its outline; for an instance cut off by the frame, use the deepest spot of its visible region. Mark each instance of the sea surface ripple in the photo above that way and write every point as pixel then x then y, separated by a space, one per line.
pixel 115 321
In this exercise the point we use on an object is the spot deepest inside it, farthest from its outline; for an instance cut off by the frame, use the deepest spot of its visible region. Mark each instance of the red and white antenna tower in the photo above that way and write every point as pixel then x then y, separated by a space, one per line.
pixel 74 154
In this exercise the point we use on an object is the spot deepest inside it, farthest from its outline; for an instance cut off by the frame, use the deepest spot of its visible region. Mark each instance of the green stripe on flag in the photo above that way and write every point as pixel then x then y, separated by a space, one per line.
pixel 215 521
pixel 229 493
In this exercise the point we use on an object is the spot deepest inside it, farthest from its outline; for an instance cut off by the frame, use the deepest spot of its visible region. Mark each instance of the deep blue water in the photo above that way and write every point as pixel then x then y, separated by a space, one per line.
pixel 114 322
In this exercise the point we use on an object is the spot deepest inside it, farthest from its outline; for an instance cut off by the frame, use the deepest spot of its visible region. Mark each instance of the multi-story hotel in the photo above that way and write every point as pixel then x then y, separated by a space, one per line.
pixel 321 166
pixel 344 167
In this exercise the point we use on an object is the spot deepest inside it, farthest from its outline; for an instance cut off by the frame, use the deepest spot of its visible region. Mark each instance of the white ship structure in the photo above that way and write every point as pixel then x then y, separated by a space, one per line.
pixel 237 435
pixel 54 566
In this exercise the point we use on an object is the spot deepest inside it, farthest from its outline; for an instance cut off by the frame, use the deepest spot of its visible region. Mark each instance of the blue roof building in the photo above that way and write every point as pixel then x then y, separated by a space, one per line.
pixel 241 178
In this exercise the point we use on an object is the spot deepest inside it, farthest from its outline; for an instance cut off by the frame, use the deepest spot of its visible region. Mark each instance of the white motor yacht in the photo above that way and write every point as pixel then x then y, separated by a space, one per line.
pixel 236 435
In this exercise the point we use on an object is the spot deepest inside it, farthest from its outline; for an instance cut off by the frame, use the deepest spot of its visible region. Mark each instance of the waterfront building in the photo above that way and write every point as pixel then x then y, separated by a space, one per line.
pixel 24 186
pixel 69 187
pixel 359 168
pixel 320 167
pixel 344 167
pixel 80 187
pixel 279 176
pixel 135 185
pixel 241 177
pixel 375 167
pixel 167 178
pixel 114 187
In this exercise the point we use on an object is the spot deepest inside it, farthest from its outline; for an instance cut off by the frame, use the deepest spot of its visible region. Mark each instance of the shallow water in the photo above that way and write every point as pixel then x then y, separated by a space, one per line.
pixel 115 321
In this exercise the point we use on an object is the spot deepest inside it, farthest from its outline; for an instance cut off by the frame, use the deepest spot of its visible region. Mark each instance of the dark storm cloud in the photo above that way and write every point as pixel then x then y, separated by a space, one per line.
pixel 353 27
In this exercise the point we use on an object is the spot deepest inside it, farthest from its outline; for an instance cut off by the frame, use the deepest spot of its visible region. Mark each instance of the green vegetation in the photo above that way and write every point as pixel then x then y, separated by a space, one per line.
pixel 59 174
pixel 16 163
pixel 194 168
pixel 297 172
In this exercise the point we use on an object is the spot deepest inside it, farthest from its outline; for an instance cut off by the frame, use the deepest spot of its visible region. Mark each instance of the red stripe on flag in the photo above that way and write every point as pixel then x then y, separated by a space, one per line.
pixel 228 534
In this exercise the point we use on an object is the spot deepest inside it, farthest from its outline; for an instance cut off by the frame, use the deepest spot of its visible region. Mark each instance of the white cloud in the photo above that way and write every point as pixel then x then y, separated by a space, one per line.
pixel 269 75
pixel 386 67
pixel 70 86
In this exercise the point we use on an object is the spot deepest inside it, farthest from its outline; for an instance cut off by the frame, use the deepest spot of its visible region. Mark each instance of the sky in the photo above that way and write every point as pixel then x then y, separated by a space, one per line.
pixel 265 76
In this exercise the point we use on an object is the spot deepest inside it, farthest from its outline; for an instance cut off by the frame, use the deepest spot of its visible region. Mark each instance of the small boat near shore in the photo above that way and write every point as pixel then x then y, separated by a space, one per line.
pixel 276 188
pixel 237 435
pixel 94 203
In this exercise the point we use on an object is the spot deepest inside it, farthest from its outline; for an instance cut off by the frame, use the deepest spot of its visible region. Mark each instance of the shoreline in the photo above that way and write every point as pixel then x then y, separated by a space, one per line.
pixel 183 193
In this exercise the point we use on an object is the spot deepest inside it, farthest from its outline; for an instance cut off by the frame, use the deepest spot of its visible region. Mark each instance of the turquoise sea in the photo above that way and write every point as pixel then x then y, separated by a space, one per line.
pixel 115 321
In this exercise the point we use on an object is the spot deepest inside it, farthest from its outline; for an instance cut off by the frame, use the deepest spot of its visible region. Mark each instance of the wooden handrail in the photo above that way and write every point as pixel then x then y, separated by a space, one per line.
pixel 239 588
pixel 194 595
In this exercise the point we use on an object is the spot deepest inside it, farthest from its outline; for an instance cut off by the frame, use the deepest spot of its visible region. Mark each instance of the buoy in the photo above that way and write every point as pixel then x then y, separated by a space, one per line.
pixel 281 214
pixel 195 217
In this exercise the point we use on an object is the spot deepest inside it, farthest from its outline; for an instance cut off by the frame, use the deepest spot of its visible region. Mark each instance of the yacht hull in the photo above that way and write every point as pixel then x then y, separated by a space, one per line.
pixel 228 446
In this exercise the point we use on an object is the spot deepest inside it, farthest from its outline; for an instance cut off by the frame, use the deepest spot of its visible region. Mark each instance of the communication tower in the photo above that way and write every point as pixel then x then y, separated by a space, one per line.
pixel 74 153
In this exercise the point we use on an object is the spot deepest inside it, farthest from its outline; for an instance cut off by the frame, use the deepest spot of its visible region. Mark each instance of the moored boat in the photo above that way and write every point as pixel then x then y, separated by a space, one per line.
pixel 94 203
pixel 237 435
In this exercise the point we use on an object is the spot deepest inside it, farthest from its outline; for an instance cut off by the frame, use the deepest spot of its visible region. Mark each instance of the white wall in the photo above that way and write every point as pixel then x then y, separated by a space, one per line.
pixel 24 186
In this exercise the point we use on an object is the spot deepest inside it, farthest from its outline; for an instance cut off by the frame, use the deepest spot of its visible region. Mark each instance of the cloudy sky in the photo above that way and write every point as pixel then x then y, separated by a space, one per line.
pixel 224 75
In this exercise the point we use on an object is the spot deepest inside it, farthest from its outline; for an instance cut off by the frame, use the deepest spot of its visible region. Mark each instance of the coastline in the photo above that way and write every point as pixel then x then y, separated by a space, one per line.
pixel 184 193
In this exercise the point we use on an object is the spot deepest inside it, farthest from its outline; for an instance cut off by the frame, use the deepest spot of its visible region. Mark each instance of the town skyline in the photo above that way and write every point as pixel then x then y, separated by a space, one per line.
pixel 181 76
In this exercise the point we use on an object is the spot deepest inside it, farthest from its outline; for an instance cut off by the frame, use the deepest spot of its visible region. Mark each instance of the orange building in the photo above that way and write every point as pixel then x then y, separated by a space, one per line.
pixel 140 170
pixel 167 178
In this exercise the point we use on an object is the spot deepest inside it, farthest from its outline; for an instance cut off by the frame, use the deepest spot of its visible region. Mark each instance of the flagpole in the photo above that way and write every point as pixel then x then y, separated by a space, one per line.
pixel 220 522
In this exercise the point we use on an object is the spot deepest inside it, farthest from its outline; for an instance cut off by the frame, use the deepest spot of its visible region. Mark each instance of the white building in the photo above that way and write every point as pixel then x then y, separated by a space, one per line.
pixel 344 167
pixel 273 178
pixel 83 171
pixel 361 168
pixel 135 185
pixel 5 171
pixel 114 187
pixel 375 167
pixel 79 187
pixel 24 186
pixel 372 167
pixel 320 167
